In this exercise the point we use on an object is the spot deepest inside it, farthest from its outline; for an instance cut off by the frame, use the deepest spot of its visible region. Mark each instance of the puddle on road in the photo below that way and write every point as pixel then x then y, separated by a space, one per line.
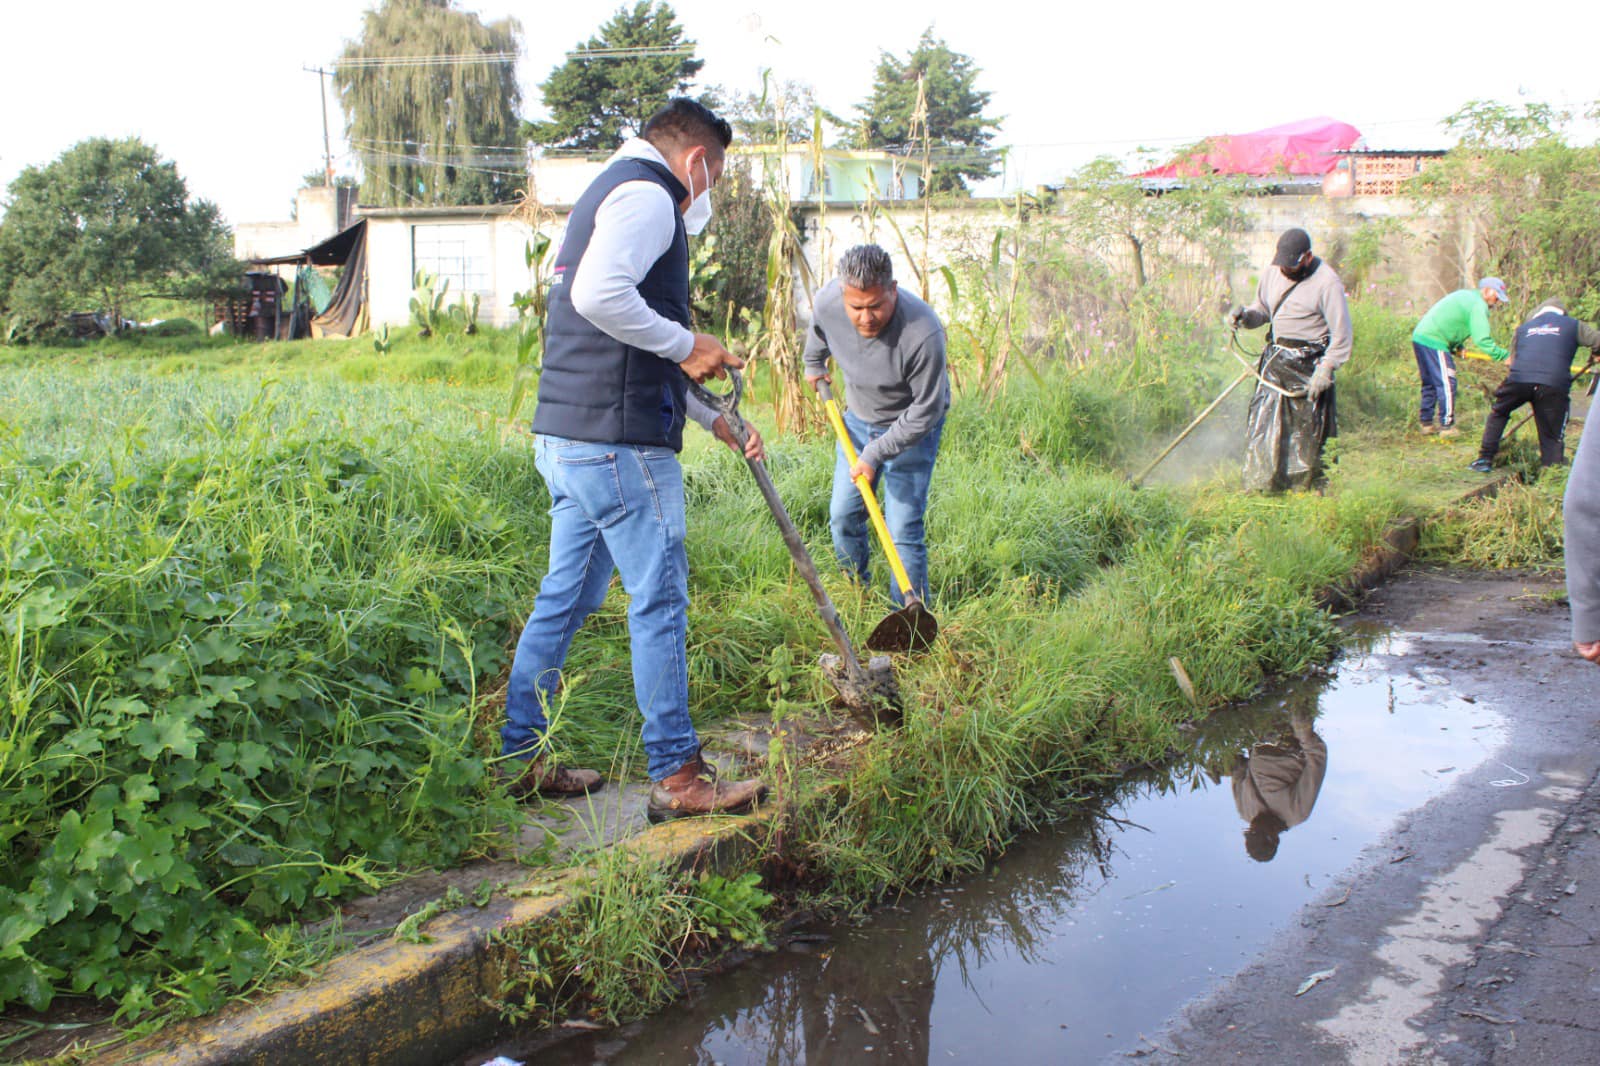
pixel 1089 935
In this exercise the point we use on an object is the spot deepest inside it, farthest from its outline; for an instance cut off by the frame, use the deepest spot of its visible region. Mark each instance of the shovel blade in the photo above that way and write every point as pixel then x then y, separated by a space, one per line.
pixel 911 628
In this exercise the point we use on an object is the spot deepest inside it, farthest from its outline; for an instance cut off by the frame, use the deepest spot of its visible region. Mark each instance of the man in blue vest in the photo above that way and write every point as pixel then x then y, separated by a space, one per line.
pixel 613 398
pixel 1541 376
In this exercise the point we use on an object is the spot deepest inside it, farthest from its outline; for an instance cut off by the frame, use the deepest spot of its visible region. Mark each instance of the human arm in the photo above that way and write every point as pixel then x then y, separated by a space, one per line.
pixel 1589 337
pixel 633 228
pixel 754 446
pixel 1478 324
pixel 1336 313
pixel 1581 511
pixel 1254 315
pixel 816 353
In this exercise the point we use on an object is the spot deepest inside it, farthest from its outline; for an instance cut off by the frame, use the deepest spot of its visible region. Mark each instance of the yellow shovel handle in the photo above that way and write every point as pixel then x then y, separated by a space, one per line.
pixel 869 498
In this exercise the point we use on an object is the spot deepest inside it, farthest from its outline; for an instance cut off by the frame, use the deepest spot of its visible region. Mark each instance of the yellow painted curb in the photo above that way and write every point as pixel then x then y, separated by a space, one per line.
pixel 397 1003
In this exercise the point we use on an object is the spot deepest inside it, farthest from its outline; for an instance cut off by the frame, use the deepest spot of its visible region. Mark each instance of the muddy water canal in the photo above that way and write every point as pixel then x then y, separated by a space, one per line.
pixel 1083 939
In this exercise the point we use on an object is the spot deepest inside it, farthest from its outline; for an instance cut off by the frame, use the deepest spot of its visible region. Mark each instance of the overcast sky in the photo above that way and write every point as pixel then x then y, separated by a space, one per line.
pixel 218 87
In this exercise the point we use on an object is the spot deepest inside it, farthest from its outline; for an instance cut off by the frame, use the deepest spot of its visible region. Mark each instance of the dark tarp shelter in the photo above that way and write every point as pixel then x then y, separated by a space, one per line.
pixel 346 312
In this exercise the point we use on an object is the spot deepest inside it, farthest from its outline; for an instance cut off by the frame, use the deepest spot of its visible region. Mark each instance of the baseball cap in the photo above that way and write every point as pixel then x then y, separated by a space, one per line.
pixel 1291 246
pixel 1496 286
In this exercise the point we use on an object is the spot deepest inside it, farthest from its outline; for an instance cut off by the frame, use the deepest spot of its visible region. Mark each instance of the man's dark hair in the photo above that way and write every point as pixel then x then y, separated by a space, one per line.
pixel 684 123
pixel 866 266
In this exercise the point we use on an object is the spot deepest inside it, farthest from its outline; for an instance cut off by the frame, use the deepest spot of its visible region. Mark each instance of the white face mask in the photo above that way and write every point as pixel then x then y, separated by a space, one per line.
pixel 699 214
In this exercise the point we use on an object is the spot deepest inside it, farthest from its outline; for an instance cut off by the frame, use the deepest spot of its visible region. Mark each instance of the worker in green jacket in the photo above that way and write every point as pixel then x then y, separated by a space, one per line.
pixel 1443 331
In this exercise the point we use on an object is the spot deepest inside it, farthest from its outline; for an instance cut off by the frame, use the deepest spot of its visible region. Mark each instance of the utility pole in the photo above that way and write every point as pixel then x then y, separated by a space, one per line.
pixel 327 152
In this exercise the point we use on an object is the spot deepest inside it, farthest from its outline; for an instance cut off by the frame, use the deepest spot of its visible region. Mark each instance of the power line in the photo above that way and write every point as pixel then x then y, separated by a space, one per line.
pixel 474 59
pixel 483 147
pixel 429 161
pixel 641 51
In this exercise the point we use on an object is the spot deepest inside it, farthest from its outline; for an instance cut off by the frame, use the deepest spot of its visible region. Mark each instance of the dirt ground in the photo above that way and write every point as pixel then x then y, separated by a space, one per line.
pixel 1469 934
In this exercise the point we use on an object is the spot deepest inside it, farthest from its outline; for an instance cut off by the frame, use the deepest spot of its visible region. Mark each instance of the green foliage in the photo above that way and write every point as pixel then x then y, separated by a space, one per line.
pixel 242 640
pixel 464 313
pixel 1532 199
pixel 1488 125
pixel 1363 251
pixel 433 131
pixel 87 230
pixel 318 179
pixel 729 262
pixel 956 125
pixel 427 302
pixel 533 305
pixel 731 909
pixel 1193 225
pixel 174 327
pixel 625 941
pixel 595 103
pixel 1519 527
pixel 782 110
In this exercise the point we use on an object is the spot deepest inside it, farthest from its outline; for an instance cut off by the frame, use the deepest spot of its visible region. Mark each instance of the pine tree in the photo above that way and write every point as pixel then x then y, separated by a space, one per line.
pixel 430 100
pixel 595 102
pixel 958 131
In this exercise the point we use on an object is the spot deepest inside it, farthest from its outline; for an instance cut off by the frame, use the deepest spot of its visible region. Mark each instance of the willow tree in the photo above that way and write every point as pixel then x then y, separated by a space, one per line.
pixel 430 101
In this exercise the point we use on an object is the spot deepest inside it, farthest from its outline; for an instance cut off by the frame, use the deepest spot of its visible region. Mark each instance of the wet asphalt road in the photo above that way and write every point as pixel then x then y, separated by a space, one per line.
pixel 1471 932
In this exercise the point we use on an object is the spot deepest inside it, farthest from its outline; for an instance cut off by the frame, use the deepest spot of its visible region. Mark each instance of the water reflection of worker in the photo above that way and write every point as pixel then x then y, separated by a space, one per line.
pixel 1275 784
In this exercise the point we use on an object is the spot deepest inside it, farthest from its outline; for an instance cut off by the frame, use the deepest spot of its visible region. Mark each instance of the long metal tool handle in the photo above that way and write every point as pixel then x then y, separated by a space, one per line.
pixel 728 405
pixel 868 497
pixel 1201 417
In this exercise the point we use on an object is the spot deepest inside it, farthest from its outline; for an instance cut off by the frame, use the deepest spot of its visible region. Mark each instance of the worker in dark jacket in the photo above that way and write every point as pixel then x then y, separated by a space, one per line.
pixel 1541 376
pixel 613 398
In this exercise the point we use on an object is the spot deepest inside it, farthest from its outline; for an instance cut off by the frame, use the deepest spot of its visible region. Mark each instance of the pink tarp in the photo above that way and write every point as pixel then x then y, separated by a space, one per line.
pixel 1304 147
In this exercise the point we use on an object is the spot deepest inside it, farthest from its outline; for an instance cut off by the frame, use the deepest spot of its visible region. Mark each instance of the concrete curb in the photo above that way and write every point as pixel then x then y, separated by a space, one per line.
pixel 400 1003
pixel 1394 549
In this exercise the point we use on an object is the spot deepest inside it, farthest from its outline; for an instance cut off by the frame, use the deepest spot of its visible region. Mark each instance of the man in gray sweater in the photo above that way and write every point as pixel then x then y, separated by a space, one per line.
pixel 890 347
pixel 1582 510
pixel 1301 302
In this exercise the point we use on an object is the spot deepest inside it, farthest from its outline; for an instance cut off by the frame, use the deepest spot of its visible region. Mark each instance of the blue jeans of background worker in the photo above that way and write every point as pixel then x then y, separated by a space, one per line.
pixel 905 480
pixel 613 507
pixel 1438 370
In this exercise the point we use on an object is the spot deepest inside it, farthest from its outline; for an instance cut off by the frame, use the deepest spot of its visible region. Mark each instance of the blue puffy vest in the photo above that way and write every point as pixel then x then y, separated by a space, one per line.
pixel 596 388
pixel 1544 348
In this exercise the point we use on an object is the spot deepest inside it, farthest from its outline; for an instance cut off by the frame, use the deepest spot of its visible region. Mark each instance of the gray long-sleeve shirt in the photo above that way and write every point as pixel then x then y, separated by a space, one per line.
pixel 896 379
pixel 1314 310
pixel 1582 514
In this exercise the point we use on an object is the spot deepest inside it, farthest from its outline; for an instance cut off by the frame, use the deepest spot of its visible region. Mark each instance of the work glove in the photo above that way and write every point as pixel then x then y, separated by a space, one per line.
pixel 1320 381
pixel 1234 317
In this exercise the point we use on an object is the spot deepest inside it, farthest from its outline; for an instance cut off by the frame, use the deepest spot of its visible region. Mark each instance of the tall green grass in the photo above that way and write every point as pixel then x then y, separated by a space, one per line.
pixel 252 594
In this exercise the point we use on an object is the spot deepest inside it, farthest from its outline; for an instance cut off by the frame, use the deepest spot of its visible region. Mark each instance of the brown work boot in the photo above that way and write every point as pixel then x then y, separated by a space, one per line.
pixel 1428 429
pixel 539 777
pixel 694 789
pixel 1449 431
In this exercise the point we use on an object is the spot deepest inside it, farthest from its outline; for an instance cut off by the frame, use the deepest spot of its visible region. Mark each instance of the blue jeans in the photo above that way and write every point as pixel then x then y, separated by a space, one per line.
pixel 905 480
pixel 1438 371
pixel 613 506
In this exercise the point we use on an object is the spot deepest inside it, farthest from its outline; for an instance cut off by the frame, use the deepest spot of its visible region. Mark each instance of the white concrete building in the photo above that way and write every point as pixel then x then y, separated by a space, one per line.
pixel 320 212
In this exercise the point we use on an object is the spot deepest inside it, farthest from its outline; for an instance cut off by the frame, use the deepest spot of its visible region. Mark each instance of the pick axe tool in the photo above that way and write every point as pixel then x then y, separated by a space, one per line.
pixel 868 687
